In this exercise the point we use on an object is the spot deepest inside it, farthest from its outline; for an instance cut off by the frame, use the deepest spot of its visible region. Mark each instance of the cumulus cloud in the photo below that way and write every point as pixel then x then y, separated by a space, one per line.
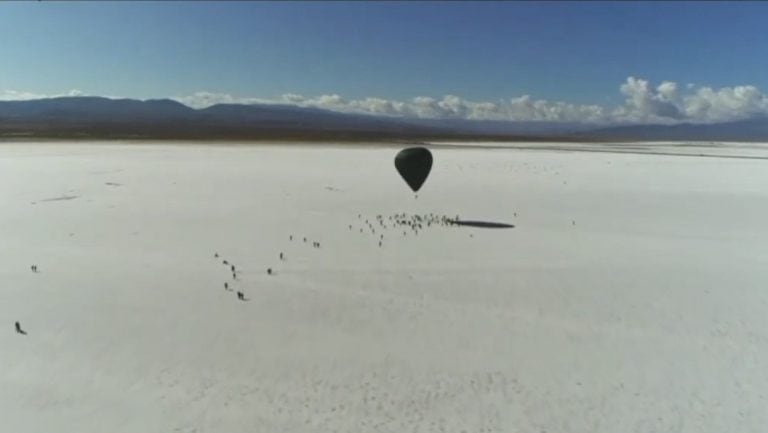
pixel 665 104
pixel 645 104
pixel 17 95
pixel 727 103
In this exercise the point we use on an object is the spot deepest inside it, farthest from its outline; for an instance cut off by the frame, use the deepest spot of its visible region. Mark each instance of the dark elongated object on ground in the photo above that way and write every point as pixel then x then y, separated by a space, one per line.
pixel 414 165
pixel 482 224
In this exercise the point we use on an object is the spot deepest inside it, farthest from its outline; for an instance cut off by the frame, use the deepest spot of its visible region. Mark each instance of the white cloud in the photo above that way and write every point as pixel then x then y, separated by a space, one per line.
pixel 206 99
pixel 16 95
pixel 665 104
pixel 449 107
pixel 644 102
pixel 727 103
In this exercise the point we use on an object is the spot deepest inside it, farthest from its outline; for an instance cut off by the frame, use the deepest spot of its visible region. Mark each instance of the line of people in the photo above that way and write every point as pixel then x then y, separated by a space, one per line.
pixel 233 269
pixel 270 271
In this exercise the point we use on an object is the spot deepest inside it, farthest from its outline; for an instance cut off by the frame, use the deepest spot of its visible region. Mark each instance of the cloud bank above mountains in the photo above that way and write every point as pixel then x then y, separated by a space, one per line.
pixel 665 103
pixel 16 95
pixel 644 103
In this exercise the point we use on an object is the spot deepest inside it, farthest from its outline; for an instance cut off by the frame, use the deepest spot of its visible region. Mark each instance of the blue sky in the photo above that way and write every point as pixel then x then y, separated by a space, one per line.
pixel 578 53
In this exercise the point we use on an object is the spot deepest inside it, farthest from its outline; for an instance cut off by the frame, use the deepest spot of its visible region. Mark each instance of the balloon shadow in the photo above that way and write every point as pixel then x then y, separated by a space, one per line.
pixel 482 224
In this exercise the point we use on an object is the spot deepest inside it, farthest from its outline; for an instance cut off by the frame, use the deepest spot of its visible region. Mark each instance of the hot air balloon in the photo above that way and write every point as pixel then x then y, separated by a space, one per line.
pixel 414 165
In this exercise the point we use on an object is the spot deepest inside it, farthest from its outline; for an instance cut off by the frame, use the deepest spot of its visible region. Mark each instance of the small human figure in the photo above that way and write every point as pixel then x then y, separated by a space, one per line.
pixel 226 286
pixel 216 255
pixel 234 275
pixel 305 240
pixel 225 262
pixel 281 256
pixel 290 238
pixel 233 268
pixel 240 296
pixel 19 330
pixel 269 271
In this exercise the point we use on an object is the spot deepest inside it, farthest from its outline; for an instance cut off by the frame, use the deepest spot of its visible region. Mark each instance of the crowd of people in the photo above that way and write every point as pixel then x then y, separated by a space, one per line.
pixel 409 223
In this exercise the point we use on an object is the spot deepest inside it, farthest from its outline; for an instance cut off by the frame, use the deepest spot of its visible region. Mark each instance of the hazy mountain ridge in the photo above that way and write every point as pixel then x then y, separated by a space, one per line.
pixel 165 118
pixel 742 130
pixel 100 117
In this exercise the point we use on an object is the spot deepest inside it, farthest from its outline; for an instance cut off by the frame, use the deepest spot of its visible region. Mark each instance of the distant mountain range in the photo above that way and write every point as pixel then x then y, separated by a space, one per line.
pixel 164 118
pixel 742 130
pixel 97 117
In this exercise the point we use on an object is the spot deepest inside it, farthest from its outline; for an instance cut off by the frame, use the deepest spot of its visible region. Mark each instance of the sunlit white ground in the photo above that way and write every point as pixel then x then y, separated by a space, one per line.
pixel 632 295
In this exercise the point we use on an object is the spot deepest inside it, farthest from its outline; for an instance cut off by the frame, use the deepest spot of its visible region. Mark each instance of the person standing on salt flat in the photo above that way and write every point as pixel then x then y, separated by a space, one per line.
pixel 19 330
pixel 226 286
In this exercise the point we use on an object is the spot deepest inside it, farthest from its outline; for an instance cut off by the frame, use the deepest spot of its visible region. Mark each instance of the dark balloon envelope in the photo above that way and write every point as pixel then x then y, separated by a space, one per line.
pixel 414 165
